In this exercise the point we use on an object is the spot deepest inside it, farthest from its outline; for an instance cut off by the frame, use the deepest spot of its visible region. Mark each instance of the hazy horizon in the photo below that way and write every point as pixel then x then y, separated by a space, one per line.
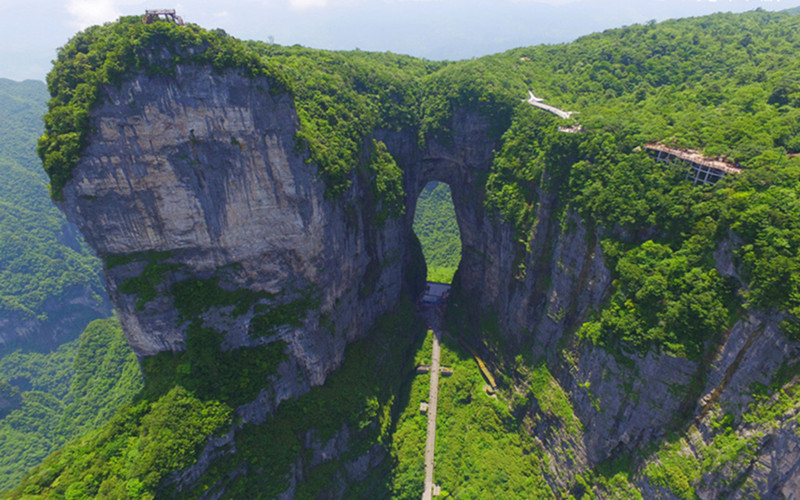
pixel 432 29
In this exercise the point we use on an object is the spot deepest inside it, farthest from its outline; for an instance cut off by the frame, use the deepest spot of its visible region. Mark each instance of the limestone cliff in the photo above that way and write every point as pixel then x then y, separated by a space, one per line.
pixel 628 401
pixel 194 180
pixel 201 170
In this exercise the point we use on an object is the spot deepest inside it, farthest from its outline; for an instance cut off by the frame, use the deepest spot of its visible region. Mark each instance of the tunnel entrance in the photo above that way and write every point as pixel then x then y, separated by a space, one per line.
pixel 436 227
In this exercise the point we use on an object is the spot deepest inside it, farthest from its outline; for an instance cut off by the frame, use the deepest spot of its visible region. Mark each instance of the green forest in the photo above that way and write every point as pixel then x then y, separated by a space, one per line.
pixel 58 396
pixel 480 451
pixel 52 389
pixel 43 261
pixel 728 85
pixel 437 229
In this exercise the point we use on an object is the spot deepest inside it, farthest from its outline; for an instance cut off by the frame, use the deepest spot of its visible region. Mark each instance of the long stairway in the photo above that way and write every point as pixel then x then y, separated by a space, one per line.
pixel 430 441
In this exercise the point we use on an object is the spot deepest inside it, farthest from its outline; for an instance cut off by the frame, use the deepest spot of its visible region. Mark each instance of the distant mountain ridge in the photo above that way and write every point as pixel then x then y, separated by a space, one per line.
pixel 60 375
pixel 50 283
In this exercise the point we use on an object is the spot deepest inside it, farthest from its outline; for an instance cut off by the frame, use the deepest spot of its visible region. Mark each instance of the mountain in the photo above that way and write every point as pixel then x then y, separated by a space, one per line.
pixel 63 394
pixel 637 330
pixel 60 375
pixel 50 283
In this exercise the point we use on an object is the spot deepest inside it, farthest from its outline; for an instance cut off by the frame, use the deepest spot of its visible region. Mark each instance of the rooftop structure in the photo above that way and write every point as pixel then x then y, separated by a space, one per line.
pixel 151 16
pixel 572 130
pixel 701 168
pixel 435 293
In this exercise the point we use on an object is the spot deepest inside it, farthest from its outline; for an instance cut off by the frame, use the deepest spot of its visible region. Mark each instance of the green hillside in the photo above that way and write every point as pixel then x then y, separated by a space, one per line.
pixel 436 227
pixel 724 84
pixel 50 282
pixel 55 383
pixel 63 394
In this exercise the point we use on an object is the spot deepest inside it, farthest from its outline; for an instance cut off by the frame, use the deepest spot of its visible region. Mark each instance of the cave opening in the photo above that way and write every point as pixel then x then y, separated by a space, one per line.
pixel 436 227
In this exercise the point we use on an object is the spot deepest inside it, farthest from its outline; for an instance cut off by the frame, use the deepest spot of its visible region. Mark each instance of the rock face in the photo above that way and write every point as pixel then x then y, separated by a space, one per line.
pixel 198 172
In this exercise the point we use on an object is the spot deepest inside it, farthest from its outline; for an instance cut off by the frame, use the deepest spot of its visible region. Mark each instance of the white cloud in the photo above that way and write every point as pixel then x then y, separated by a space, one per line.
pixel 88 12
pixel 304 4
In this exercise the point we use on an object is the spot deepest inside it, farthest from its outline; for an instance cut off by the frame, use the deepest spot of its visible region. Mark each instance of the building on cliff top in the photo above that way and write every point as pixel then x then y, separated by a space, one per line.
pixel 701 168
pixel 151 16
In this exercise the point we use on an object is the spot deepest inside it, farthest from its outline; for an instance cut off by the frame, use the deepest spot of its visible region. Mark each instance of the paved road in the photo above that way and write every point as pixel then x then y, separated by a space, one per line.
pixel 430 442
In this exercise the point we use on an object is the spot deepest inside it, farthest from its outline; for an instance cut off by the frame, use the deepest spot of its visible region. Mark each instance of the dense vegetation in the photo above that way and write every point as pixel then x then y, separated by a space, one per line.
pixel 481 451
pixel 54 386
pixel 163 430
pixel 63 395
pixel 43 262
pixel 341 98
pixel 725 84
pixel 437 229
pixel 715 83
pixel 132 453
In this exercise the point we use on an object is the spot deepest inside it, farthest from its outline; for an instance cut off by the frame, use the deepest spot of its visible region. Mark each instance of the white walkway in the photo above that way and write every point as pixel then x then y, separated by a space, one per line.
pixel 535 101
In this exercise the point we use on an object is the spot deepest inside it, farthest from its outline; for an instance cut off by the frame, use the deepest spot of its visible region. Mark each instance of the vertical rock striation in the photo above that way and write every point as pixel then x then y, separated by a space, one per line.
pixel 198 172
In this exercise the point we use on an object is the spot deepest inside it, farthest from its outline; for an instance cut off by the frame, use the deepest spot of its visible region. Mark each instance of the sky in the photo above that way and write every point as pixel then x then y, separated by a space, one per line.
pixel 32 30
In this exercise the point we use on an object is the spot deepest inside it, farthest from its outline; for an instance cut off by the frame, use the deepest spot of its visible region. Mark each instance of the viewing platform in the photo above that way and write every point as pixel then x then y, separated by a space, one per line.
pixel 151 16
pixel 539 103
pixel 701 168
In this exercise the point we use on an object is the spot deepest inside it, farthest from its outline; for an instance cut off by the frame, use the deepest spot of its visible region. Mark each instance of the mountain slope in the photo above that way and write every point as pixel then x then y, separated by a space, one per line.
pixel 50 283
pixel 50 290
pixel 634 322
pixel 63 394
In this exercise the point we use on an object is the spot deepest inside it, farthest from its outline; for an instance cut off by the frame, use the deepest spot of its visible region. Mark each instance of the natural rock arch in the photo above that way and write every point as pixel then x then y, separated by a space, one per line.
pixel 196 176
pixel 196 179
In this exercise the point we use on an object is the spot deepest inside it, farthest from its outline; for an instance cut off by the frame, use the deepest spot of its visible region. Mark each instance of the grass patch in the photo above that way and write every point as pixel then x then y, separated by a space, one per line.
pixel 235 376
pixel 552 398
pixel 193 297
pixel 267 322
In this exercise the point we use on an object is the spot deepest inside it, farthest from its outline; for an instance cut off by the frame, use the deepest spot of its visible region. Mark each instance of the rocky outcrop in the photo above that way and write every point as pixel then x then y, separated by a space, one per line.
pixel 628 402
pixel 201 170
pixel 197 176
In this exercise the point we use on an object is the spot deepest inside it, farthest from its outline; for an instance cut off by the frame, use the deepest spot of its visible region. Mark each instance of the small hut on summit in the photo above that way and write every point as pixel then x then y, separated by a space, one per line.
pixel 151 16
